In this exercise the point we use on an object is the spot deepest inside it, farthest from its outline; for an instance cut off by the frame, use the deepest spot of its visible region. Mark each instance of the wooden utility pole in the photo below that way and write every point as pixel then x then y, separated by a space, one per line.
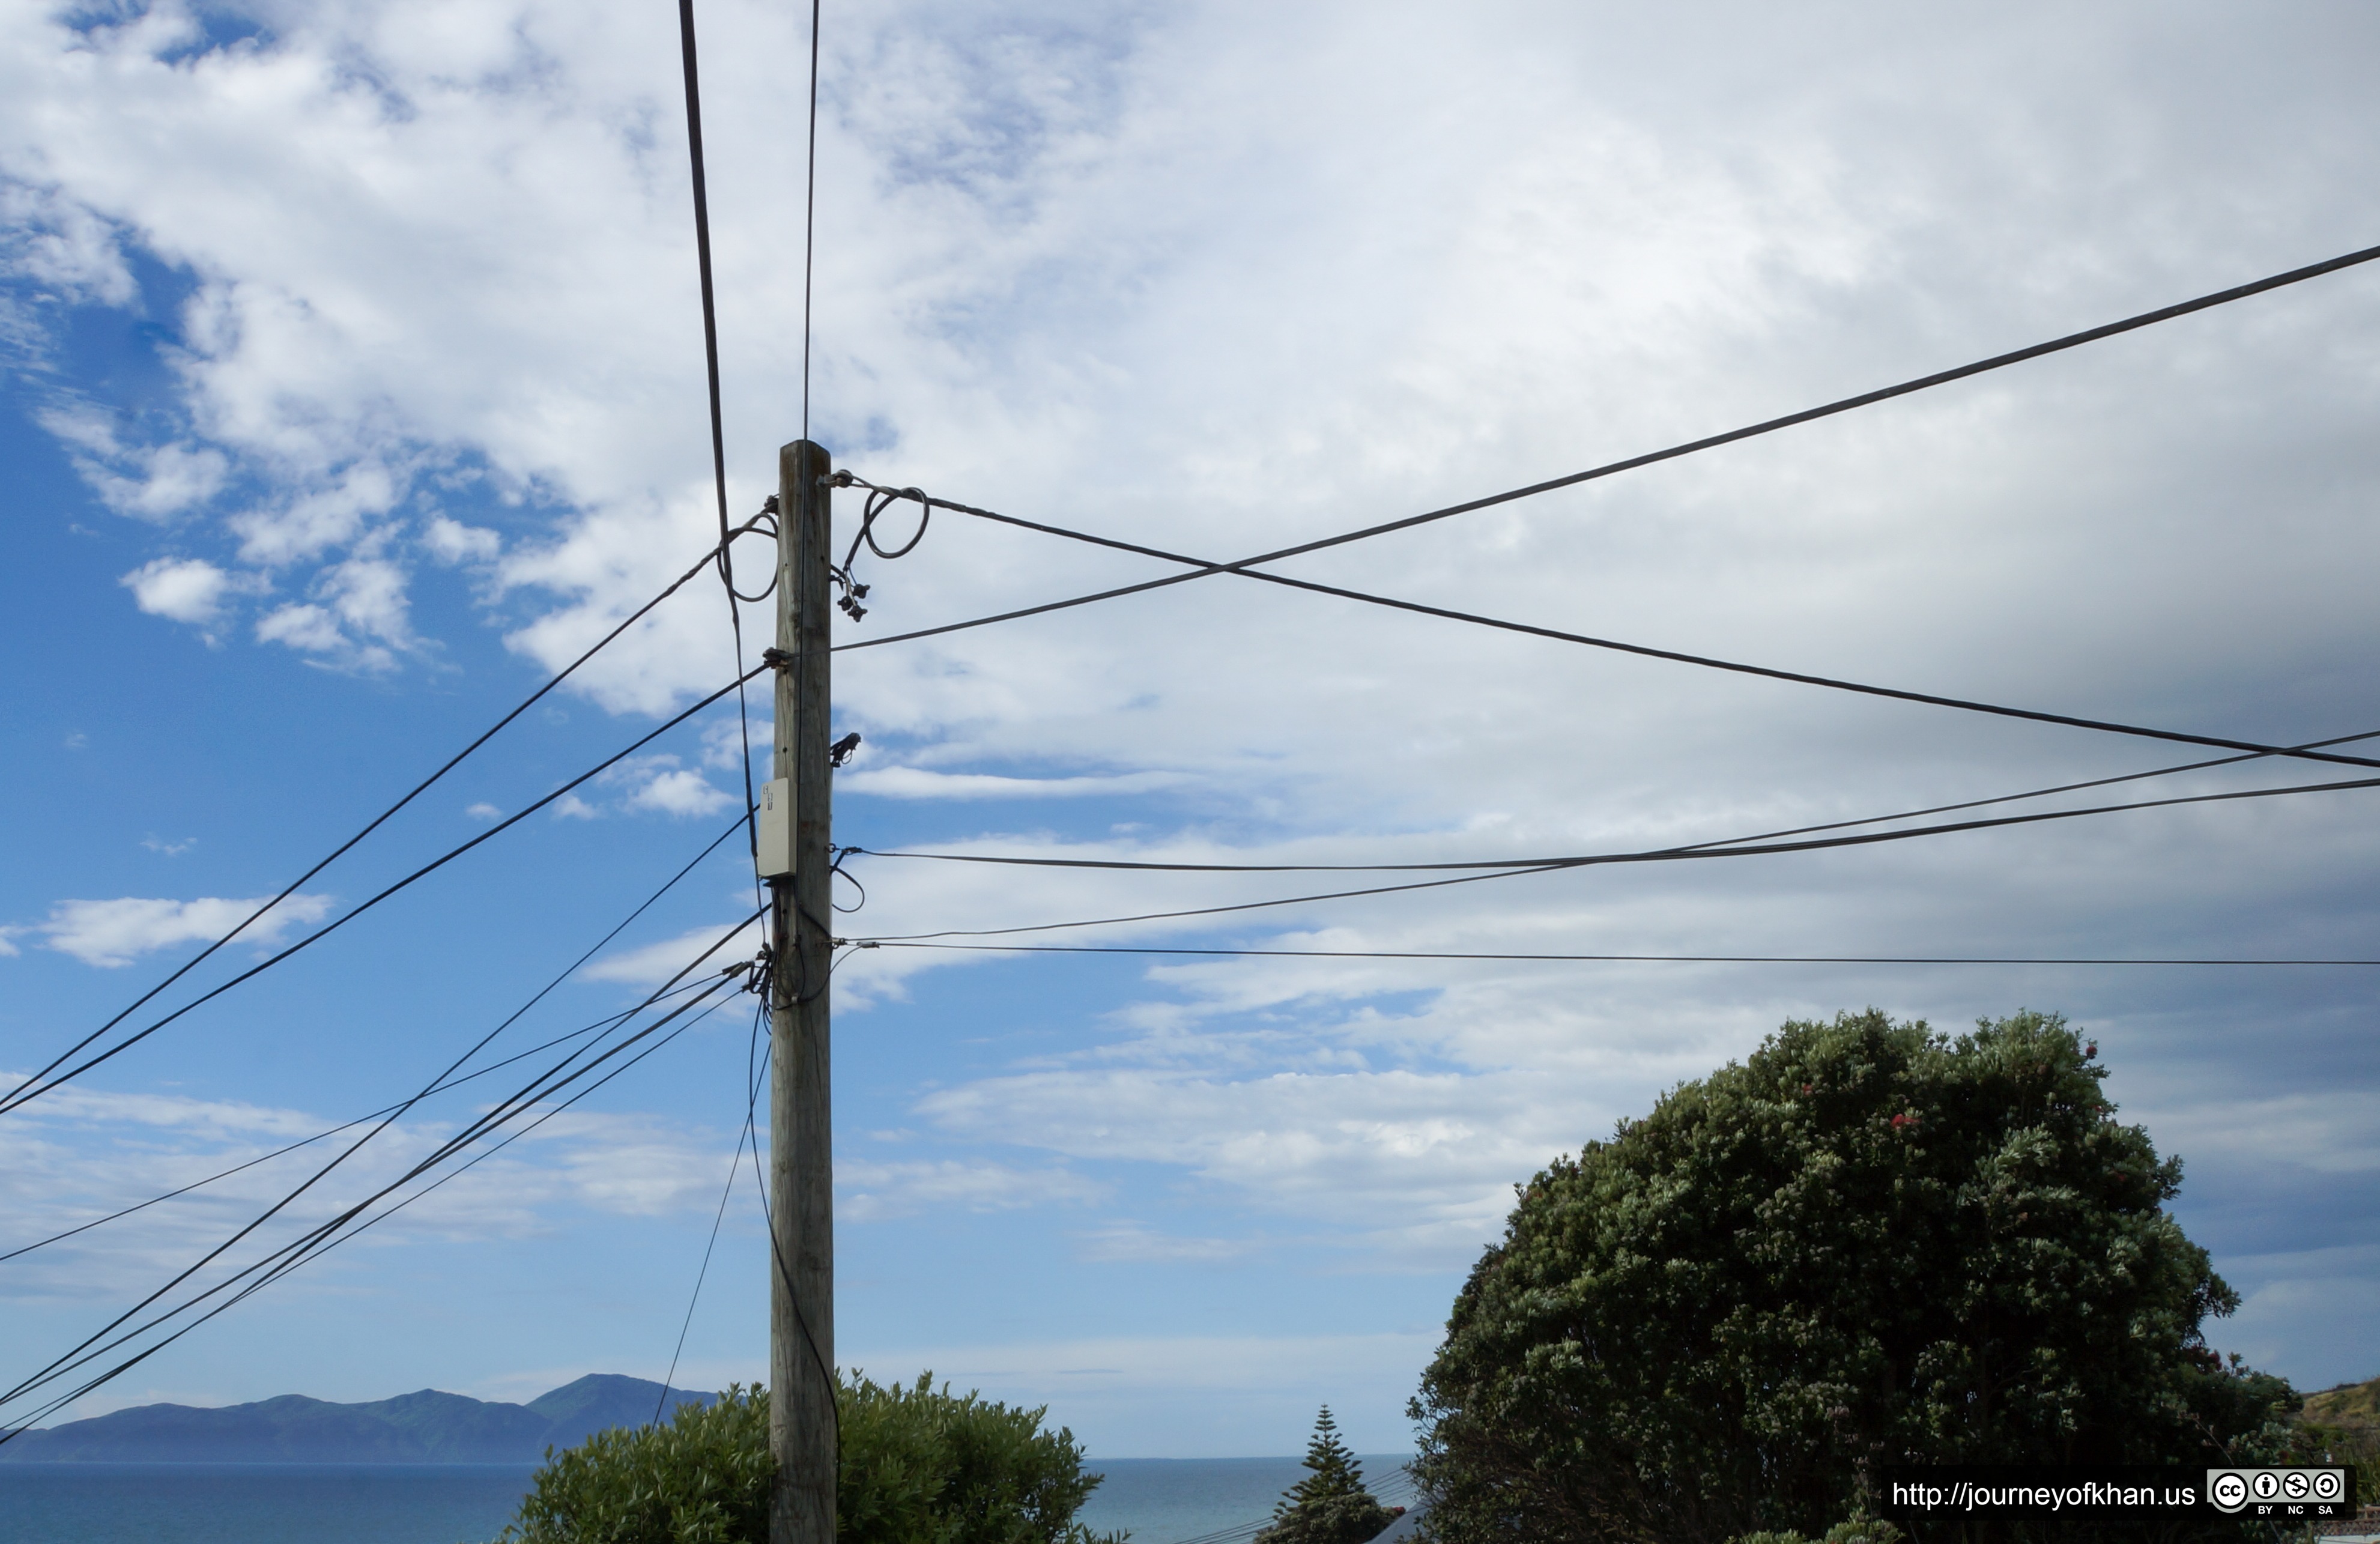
pixel 801 1161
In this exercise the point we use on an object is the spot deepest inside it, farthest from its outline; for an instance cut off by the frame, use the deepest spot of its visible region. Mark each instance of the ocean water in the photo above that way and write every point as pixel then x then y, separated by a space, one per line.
pixel 1162 1500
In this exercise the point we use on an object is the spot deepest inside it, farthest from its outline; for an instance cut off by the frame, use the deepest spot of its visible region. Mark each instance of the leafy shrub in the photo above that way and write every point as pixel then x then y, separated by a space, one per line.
pixel 1867 1244
pixel 701 1479
pixel 917 1466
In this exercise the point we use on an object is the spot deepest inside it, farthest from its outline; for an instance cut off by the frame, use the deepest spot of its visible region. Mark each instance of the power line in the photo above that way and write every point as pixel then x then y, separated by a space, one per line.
pixel 445 1081
pixel 809 220
pixel 1662 855
pixel 1767 426
pixel 1602 959
pixel 733 1164
pixel 17 1095
pixel 295 1252
pixel 539 1086
pixel 1646 651
pixel 702 262
pixel 314 1247
pixel 21 1095
pixel 543 1086
pixel 1536 862
pixel 610 1021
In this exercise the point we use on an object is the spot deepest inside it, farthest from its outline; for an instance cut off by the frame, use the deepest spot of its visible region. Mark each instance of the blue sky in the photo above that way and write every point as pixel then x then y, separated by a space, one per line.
pixel 354 384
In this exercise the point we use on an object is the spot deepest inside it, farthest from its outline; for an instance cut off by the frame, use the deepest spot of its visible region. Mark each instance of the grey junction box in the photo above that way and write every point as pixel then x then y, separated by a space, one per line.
pixel 773 855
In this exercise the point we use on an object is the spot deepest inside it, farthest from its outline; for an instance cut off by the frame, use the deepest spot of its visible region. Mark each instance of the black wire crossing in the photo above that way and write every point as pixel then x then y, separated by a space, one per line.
pixel 32 1087
pixel 576 1068
pixel 1611 468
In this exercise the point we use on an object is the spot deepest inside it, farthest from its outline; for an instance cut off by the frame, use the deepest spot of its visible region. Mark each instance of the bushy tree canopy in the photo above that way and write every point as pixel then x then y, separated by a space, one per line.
pixel 1330 1505
pixel 918 1465
pixel 1869 1244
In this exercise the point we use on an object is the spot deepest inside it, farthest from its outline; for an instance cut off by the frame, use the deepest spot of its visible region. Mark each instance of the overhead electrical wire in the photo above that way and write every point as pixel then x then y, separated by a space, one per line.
pixel 809 219
pixel 702 265
pixel 1766 426
pixel 279 1261
pixel 1661 854
pixel 17 1095
pixel 735 1167
pixel 609 1021
pixel 315 1249
pixel 543 1086
pixel 1602 959
pixel 27 1091
pixel 1646 651
pixel 447 1080
pixel 711 366
pixel 539 1086
pixel 1147 867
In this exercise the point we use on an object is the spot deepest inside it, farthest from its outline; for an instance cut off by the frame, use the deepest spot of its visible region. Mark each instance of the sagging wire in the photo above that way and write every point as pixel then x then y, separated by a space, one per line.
pixel 734 1164
pixel 294 1253
pixel 837 871
pixel 769 513
pixel 766 523
pixel 879 500
pixel 311 1251
pixel 19 1094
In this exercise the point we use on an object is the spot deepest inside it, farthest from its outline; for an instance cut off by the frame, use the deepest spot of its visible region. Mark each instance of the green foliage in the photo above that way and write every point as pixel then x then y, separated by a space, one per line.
pixel 918 1465
pixel 1330 1505
pixel 1858 1530
pixel 1867 1244
pixel 701 1479
pixel 2342 1425
pixel 921 1466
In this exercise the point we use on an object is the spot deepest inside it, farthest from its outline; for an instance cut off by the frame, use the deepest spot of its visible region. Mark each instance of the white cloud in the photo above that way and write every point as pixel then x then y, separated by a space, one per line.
pixel 1350 1148
pixel 867 1191
pixel 169 849
pixel 184 590
pixel 681 791
pixel 655 785
pixel 302 627
pixel 917 783
pixel 61 246
pixel 112 933
pixel 453 541
pixel 368 593
pixel 78 1153
pixel 482 810
pixel 723 740
pixel 1132 1243
pixel 152 482
pixel 652 963
pixel 1184 1395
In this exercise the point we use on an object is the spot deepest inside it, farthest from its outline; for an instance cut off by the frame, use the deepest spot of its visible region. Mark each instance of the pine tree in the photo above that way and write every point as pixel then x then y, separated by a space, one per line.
pixel 1330 1505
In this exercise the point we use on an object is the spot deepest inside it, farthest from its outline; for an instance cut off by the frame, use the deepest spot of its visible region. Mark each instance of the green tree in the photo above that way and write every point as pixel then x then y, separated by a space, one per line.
pixel 1330 1505
pixel 918 1465
pixel 1869 1244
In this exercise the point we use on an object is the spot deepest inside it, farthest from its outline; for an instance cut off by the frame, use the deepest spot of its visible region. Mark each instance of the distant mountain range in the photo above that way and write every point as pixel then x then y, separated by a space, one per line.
pixel 424 1428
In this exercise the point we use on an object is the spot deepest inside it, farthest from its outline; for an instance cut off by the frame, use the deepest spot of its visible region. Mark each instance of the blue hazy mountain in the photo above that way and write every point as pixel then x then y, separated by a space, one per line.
pixel 424 1428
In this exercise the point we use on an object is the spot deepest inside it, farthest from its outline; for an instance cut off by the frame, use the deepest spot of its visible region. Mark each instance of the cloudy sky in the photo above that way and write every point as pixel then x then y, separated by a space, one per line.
pixel 355 383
